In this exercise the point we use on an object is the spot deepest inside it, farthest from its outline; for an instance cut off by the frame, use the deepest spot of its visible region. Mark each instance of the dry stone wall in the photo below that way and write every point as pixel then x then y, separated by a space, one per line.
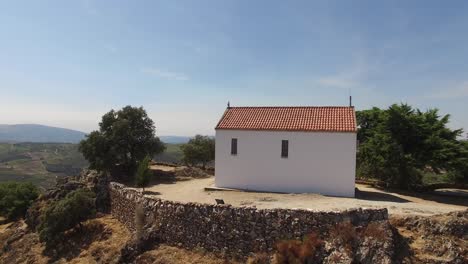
pixel 235 231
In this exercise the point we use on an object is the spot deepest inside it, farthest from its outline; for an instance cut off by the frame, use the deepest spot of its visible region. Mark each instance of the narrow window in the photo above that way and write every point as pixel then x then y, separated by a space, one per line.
pixel 234 146
pixel 284 148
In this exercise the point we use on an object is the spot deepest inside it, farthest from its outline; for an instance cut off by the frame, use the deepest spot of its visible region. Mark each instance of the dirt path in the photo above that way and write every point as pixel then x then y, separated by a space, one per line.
pixel 366 196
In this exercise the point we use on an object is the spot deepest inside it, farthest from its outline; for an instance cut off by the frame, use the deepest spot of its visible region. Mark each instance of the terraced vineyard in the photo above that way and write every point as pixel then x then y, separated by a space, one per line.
pixel 39 163
pixel 42 163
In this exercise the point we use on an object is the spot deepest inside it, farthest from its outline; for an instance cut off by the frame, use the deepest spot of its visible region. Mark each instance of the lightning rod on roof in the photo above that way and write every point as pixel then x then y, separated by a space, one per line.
pixel 229 105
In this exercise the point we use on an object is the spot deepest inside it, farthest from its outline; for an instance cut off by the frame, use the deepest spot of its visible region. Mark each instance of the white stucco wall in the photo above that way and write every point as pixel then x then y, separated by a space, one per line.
pixel 318 162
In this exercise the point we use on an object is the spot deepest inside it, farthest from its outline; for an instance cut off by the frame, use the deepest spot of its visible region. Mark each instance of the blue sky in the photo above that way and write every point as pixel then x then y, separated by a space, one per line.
pixel 65 63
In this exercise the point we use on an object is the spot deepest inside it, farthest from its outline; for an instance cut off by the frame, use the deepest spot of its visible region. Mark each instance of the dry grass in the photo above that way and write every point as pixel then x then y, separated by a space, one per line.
pixel 375 231
pixel 26 247
pixel 296 251
pixel 107 237
pixel 99 241
pixel 260 258
pixel 3 229
pixel 171 255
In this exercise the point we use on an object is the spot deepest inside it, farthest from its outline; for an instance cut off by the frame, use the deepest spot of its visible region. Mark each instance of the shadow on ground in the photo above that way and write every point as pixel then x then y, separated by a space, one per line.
pixel 450 197
pixel 378 196
pixel 439 198
pixel 151 193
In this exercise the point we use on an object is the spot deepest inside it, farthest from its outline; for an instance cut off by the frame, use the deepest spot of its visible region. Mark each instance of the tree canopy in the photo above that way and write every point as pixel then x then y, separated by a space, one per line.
pixel 199 150
pixel 396 144
pixel 125 137
pixel 15 198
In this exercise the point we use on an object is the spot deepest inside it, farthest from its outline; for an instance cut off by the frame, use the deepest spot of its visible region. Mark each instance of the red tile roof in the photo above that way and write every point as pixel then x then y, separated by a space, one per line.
pixel 307 118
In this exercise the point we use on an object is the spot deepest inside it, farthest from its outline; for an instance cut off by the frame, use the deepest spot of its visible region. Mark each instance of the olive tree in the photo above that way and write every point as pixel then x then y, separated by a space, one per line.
pixel 125 137
pixel 199 150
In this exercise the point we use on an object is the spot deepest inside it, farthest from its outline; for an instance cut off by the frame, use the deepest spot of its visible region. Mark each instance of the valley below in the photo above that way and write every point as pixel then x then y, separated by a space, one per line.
pixel 44 163
pixel 39 163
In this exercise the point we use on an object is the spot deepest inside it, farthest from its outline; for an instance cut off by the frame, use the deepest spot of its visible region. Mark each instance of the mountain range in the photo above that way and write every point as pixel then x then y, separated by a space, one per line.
pixel 49 134
pixel 39 133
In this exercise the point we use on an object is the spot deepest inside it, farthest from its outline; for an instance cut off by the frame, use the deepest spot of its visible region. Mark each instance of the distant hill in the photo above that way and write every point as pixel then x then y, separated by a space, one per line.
pixel 39 133
pixel 174 139
pixel 47 134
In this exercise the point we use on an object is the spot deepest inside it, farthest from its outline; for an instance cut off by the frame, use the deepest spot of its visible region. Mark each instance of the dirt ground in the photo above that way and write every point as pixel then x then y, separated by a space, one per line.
pixel 401 203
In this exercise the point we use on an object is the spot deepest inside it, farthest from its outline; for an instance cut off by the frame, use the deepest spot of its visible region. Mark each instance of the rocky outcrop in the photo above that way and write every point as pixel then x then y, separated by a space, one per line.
pixel 235 231
pixel 435 239
pixel 99 184
pixel 94 181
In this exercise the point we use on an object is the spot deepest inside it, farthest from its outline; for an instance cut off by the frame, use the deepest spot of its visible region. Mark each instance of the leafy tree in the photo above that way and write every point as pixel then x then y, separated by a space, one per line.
pixel 124 138
pixel 200 149
pixel 64 214
pixel 396 144
pixel 368 121
pixel 16 198
pixel 143 173
pixel 459 174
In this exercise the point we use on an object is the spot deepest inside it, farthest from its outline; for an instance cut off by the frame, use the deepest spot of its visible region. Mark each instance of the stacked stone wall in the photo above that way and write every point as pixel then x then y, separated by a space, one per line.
pixel 236 231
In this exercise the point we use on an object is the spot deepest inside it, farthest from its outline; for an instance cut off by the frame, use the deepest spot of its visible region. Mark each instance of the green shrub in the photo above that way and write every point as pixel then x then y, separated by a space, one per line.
pixel 15 198
pixel 143 173
pixel 65 214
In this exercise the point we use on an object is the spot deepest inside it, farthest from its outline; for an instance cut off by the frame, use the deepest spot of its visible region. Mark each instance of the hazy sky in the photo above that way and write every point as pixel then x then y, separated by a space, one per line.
pixel 65 63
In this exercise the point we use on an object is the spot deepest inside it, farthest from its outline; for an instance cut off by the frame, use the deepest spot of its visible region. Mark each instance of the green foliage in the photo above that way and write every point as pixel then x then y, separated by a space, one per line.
pixel 200 149
pixel 15 198
pixel 124 138
pixel 397 144
pixel 460 172
pixel 65 214
pixel 143 173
